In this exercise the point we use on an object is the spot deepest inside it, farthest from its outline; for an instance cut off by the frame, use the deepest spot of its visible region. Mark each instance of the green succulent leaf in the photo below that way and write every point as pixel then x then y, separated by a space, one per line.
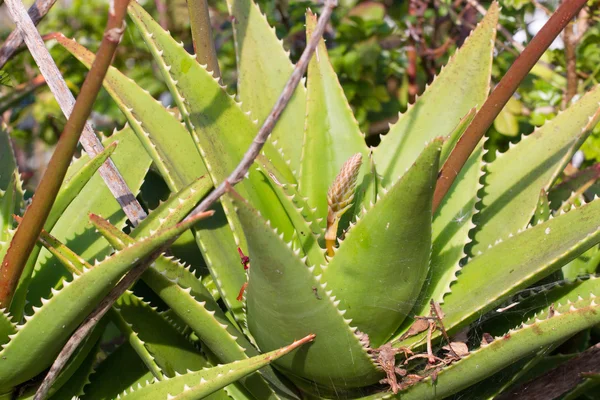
pixel 456 134
pixel 391 243
pixel 515 178
pixel 567 320
pixel 75 375
pixel 11 191
pixel 585 264
pixel 161 133
pixel 301 215
pixel 196 385
pixel 171 351
pixel 121 370
pixel 73 227
pixel 438 111
pixel 519 261
pixel 222 132
pixel 264 67
pixel 73 185
pixel 191 301
pixel 332 134
pixel 286 299
pixel 126 328
pixel 450 232
pixel 524 306
pixel 542 211
pixel 39 340
pixel 73 387
pixel 562 195
pixel 174 209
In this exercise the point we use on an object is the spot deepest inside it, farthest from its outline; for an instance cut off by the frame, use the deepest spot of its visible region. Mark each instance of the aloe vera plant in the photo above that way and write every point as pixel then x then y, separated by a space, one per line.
pixel 339 243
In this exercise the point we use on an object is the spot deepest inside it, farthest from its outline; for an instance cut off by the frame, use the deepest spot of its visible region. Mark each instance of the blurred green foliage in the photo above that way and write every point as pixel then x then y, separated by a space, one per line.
pixel 369 43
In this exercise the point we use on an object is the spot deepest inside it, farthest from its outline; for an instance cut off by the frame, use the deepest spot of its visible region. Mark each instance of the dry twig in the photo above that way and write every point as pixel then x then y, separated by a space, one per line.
pixel 14 41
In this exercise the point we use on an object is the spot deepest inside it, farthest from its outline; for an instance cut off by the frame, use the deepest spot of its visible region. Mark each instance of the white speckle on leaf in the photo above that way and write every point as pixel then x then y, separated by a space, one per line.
pixel 547 231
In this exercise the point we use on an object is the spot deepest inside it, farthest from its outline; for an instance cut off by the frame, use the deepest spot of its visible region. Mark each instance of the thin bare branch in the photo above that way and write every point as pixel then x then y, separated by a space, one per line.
pixel 14 41
pixel 501 94
pixel 235 177
pixel 36 214
pixel 66 101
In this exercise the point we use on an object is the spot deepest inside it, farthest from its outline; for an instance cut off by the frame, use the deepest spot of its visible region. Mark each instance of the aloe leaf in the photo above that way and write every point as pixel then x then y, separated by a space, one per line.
pixel 264 67
pixel 301 215
pixel 332 134
pixel 75 375
pixel 586 388
pixel 171 351
pixel 134 340
pixel 391 243
pixel 39 340
pixel 519 261
pixel 438 111
pixel 73 228
pixel 186 295
pixel 163 136
pixel 119 371
pixel 515 178
pixel 526 305
pixel 450 232
pixel 129 323
pixel 7 327
pixel 585 264
pixel 286 300
pixel 11 191
pixel 175 209
pixel 542 210
pixel 568 319
pixel 456 134
pixel 196 385
pixel 572 187
pixel 222 133
pixel 73 185
pixel 221 129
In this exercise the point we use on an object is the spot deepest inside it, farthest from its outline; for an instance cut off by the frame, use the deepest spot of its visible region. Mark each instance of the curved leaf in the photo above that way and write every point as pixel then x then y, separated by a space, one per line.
pixel 197 385
pixel 332 134
pixel 263 69
pixel 285 300
pixel 514 179
pixel 463 84
pixel 379 268
pixel 39 340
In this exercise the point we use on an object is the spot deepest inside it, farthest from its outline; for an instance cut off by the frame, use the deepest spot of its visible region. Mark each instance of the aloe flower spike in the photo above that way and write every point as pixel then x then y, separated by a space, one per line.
pixel 339 198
